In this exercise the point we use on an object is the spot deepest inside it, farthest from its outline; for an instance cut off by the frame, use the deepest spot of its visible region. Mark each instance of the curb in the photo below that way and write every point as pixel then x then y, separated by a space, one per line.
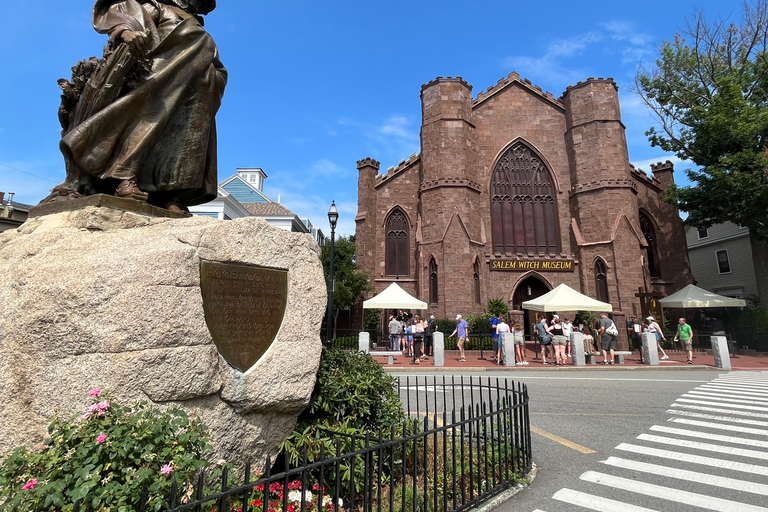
pixel 509 493
pixel 423 368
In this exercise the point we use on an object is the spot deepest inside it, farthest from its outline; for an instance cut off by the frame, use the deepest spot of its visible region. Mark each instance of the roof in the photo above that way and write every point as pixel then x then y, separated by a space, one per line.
pixel 268 209
pixel 694 297
pixel 565 298
pixel 394 297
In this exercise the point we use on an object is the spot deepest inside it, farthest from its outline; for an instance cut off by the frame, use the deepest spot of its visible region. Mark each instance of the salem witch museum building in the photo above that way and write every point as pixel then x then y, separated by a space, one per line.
pixel 514 192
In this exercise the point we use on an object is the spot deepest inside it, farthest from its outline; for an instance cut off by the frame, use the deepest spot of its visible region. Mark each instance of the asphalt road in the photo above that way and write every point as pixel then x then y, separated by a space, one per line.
pixel 671 440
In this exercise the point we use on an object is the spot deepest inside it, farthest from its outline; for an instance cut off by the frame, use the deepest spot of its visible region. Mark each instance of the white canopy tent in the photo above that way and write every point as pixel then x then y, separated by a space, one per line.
pixel 394 297
pixel 694 297
pixel 565 298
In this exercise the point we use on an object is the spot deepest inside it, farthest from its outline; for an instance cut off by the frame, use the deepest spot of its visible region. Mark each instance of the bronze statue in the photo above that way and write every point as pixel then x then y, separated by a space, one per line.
pixel 140 122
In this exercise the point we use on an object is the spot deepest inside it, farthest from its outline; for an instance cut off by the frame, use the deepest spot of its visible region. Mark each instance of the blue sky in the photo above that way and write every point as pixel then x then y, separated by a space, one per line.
pixel 316 86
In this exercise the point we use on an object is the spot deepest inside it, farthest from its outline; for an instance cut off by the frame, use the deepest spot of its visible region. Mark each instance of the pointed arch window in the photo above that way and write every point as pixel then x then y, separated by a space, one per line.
pixel 601 281
pixel 523 210
pixel 432 281
pixel 397 261
pixel 649 231
pixel 476 267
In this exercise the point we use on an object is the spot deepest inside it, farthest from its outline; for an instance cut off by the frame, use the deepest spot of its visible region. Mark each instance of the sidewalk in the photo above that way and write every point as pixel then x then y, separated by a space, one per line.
pixel 474 362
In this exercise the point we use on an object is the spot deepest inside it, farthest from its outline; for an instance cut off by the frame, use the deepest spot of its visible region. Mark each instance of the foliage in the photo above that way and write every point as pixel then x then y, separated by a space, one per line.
pixel 350 281
pixel 587 318
pixel 709 93
pixel 105 458
pixel 497 307
pixel 445 325
pixel 479 324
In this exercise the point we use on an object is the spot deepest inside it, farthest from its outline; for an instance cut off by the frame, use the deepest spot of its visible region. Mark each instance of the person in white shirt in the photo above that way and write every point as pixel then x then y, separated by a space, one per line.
pixel 501 328
pixel 567 330
pixel 656 329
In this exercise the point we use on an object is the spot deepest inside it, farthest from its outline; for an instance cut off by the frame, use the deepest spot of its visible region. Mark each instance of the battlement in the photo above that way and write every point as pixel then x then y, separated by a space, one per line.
pixel 440 79
pixel 662 166
pixel 397 169
pixel 590 80
pixel 368 162
pixel 641 174
pixel 509 79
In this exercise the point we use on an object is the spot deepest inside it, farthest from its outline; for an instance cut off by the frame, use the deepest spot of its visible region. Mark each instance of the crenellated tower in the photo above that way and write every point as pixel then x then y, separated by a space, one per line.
pixel 603 197
pixel 365 229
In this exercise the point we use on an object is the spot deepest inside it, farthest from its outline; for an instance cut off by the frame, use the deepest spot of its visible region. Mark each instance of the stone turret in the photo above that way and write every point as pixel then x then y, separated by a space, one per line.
pixel 664 172
pixel 365 230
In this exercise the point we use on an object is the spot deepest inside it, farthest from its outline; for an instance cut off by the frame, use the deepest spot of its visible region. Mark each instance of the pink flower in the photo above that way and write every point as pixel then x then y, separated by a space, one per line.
pixel 166 470
pixel 103 406
pixel 94 392
pixel 85 416
pixel 30 485
pixel 101 439
pixel 93 408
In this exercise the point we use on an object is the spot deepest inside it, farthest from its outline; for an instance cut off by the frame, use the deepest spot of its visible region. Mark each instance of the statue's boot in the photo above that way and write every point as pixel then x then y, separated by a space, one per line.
pixel 176 207
pixel 129 189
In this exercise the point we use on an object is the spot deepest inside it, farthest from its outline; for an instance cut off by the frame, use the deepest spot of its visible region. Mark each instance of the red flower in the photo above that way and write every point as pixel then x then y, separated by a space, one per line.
pixel 256 502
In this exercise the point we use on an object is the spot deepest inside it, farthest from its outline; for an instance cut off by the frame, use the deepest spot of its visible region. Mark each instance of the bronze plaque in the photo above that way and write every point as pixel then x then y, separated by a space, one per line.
pixel 244 307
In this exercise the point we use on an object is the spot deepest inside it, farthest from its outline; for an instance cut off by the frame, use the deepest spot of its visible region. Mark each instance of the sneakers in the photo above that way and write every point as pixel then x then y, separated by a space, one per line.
pixel 690 362
pixel 518 363
pixel 462 359
pixel 605 362
pixel 611 362
pixel 524 362
pixel 665 357
pixel 545 362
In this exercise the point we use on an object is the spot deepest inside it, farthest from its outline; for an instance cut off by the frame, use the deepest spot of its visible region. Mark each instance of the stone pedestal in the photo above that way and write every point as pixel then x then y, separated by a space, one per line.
pixel 650 351
pixel 364 342
pixel 720 351
pixel 106 298
pixel 508 349
pixel 577 349
pixel 438 349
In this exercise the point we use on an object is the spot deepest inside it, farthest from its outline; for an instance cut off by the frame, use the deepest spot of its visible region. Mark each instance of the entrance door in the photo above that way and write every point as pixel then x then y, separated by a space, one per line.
pixel 529 289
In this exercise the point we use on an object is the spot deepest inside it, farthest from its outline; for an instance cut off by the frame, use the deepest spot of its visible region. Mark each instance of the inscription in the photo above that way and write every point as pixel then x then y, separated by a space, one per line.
pixel 244 307
pixel 544 265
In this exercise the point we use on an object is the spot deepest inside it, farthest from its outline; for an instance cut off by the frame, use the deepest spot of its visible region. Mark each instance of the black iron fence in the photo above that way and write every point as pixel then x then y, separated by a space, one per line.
pixel 466 440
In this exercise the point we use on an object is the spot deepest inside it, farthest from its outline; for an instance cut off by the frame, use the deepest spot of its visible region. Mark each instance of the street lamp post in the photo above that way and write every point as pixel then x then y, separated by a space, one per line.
pixel 333 217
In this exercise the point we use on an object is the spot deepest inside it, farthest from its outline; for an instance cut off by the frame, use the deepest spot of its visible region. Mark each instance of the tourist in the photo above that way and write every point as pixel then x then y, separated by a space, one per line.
pixel 428 332
pixel 568 330
pixel 685 335
pixel 656 330
pixel 418 339
pixel 394 333
pixel 462 329
pixel 633 332
pixel 519 337
pixel 495 334
pixel 589 342
pixel 501 328
pixel 608 334
pixel 558 341
pixel 544 338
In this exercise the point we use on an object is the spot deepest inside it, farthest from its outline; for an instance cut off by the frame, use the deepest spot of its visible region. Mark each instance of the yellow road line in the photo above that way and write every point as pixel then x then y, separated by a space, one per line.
pixel 560 440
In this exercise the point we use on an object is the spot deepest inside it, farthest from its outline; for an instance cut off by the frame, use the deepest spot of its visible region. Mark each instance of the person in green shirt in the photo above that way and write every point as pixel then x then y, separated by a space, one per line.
pixel 685 334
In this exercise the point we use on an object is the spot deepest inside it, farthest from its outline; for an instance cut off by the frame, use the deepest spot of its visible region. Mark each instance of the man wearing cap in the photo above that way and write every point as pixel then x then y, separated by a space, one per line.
pixel 394 332
pixel 633 332
pixel 462 329
pixel 656 329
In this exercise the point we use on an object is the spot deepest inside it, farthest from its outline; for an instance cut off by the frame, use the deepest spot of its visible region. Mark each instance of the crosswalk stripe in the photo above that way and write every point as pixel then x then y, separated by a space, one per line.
pixel 666 493
pixel 721 426
pixel 711 437
pixel 760 396
pixel 729 404
pixel 691 476
pixel 719 449
pixel 719 418
pixel 756 392
pixel 725 398
pixel 695 459
pixel 721 410
pixel 596 502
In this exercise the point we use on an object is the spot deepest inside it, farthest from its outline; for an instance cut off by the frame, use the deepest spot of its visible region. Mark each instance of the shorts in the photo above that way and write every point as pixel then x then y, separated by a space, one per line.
pixel 608 342
pixel 658 336
pixel 519 340
pixel 496 344
pixel 557 339
pixel 546 340
pixel 688 344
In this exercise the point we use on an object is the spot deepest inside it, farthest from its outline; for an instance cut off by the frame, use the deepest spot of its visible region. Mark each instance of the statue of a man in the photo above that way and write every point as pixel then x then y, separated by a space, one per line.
pixel 140 122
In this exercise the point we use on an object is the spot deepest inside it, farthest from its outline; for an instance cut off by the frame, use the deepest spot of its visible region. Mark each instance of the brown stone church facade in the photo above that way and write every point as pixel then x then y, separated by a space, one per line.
pixel 514 192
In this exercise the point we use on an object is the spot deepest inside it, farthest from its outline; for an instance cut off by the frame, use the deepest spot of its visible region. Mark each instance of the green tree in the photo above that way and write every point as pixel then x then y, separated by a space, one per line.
pixel 709 95
pixel 351 282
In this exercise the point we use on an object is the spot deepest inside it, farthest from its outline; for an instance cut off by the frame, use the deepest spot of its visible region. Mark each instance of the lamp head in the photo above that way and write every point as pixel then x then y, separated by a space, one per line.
pixel 333 215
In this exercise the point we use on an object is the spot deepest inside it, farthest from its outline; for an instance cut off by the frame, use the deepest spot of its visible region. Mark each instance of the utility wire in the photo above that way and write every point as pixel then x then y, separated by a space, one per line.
pixel 26 172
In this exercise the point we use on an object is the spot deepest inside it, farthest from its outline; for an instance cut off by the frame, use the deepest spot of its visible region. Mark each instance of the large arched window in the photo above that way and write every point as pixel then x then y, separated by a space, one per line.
pixel 649 231
pixel 476 267
pixel 523 213
pixel 601 281
pixel 397 261
pixel 432 281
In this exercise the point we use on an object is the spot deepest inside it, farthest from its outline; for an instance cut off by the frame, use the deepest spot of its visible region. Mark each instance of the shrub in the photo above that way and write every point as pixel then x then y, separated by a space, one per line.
pixel 497 307
pixel 104 458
